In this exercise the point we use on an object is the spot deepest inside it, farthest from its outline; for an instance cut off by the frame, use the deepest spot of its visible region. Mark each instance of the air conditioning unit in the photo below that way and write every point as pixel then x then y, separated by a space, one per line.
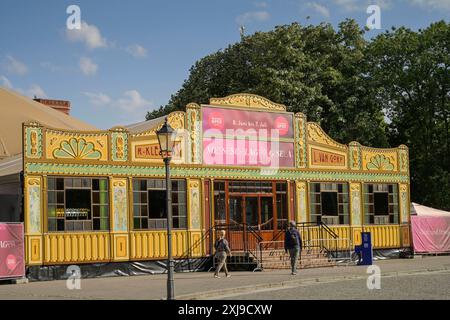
pixel 330 220
pixel 381 219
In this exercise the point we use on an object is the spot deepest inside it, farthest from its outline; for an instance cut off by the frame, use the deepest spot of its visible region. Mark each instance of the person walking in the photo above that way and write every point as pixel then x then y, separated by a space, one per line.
pixel 222 250
pixel 293 244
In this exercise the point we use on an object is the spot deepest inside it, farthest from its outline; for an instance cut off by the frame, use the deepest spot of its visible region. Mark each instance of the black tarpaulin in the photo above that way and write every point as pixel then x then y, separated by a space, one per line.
pixel 113 269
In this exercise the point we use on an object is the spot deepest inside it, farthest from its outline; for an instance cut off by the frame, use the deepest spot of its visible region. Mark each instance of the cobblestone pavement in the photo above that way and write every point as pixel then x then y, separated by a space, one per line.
pixel 429 285
pixel 413 275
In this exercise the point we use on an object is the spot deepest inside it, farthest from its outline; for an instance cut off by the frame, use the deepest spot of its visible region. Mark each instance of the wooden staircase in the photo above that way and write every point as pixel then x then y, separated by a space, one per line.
pixel 278 259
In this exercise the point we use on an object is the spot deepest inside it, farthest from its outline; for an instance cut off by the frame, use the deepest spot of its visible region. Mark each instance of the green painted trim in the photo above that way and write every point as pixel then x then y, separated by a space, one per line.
pixel 39 137
pixel 114 137
pixel 210 172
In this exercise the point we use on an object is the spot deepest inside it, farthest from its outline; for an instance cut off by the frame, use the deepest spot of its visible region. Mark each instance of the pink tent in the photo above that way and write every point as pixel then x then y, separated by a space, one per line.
pixel 430 229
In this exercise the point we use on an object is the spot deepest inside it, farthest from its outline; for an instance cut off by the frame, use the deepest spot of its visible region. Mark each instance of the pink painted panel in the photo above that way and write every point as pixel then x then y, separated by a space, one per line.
pixel 217 151
pixel 430 234
pixel 12 264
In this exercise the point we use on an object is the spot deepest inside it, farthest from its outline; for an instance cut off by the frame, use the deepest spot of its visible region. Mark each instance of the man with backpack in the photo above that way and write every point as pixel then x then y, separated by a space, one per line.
pixel 293 244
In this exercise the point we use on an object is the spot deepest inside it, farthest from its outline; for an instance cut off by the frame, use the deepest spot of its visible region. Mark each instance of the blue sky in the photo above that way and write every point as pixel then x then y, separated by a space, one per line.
pixel 130 56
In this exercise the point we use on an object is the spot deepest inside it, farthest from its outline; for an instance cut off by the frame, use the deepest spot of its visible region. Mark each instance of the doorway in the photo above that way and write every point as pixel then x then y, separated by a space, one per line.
pixel 261 206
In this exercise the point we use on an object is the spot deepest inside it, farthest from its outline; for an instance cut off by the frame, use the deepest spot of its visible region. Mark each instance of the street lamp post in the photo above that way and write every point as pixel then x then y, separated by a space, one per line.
pixel 166 139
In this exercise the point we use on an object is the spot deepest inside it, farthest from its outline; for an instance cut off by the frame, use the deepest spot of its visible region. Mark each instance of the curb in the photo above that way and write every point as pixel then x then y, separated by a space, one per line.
pixel 245 289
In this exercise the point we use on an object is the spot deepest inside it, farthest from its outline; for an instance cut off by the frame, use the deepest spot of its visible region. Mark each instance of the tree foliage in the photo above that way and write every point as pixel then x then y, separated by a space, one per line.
pixel 388 91
pixel 412 73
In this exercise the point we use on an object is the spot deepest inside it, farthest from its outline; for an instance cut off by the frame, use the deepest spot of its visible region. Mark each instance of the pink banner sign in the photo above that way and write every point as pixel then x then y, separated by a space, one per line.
pixel 430 234
pixel 12 264
pixel 218 151
pixel 253 123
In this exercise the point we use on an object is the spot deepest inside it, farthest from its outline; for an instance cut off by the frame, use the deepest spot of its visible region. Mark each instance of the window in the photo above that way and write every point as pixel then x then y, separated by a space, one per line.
pixel 77 204
pixel 157 201
pixel 250 187
pixel 380 203
pixel 219 203
pixel 329 202
pixel 282 205
pixel 149 204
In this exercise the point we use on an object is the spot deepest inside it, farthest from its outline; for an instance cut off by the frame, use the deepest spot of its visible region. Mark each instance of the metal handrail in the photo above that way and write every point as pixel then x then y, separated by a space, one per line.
pixel 321 241
pixel 247 231
pixel 329 230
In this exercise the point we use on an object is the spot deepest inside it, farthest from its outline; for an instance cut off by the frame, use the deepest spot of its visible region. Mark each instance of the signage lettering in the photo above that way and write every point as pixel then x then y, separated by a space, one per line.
pixel 320 157
pixel 151 151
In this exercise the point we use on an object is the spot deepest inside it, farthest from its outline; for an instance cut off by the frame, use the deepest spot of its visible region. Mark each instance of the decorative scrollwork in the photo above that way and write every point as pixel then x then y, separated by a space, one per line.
pixel 119 147
pixel 380 162
pixel 76 149
pixel 247 100
pixel 316 134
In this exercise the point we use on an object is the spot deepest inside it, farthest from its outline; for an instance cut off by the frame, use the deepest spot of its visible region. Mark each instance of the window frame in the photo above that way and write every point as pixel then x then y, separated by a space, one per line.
pixel 316 188
pixel 142 221
pixel 56 204
pixel 393 214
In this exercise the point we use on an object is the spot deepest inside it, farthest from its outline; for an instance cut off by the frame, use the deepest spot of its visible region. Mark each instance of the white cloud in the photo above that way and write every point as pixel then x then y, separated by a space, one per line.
pixel 37 91
pixel 5 82
pixel 261 4
pixel 14 66
pixel 321 9
pixel 50 66
pixel 249 17
pixel 349 5
pixel 433 4
pixel 361 5
pixel 87 66
pixel 132 101
pixel 98 99
pixel 88 34
pixel 137 51
pixel 32 91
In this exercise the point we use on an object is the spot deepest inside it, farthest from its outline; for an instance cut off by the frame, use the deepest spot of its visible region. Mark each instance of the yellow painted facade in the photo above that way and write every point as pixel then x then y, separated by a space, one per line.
pixel 111 154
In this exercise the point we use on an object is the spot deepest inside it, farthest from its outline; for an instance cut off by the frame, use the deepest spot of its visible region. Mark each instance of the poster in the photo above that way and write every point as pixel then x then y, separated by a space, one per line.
pixel 236 137
pixel 12 264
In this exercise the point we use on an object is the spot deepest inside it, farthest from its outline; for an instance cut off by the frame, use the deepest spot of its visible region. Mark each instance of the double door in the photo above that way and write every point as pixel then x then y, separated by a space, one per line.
pixel 254 211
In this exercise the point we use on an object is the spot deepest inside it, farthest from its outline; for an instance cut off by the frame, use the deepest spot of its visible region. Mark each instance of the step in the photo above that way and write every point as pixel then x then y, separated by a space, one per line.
pixel 284 263
pixel 286 257
pixel 281 252
pixel 300 265
pixel 320 260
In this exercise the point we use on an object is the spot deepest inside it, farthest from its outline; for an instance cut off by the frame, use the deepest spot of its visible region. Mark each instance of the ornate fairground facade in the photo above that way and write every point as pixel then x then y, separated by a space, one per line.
pixel 93 197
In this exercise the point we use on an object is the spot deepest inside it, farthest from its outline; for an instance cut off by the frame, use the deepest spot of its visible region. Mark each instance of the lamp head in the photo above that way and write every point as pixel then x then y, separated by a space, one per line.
pixel 166 139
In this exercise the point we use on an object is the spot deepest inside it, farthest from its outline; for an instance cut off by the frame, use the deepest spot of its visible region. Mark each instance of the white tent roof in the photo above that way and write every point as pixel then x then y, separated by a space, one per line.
pixel 145 125
pixel 16 109
pixel 11 165
pixel 421 210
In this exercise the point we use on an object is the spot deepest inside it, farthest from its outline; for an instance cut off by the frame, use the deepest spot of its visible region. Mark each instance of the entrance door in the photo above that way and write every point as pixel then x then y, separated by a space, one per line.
pixel 235 219
pixel 268 218
pixel 251 212
pixel 235 210
pixel 253 203
pixel 259 215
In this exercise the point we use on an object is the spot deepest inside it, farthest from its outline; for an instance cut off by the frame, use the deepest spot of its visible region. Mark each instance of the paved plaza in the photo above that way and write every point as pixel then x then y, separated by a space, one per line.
pixel 418 278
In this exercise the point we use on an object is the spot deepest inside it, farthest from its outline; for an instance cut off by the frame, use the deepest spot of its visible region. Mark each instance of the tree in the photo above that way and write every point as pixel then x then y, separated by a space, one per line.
pixel 412 71
pixel 312 69
pixel 392 90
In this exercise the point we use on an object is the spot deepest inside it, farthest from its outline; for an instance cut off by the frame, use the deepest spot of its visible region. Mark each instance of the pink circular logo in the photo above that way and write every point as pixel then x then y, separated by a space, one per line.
pixel 216 120
pixel 282 125
pixel 11 262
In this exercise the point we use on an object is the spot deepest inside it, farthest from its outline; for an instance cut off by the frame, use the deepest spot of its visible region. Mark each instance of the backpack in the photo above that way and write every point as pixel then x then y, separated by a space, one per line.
pixel 293 238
